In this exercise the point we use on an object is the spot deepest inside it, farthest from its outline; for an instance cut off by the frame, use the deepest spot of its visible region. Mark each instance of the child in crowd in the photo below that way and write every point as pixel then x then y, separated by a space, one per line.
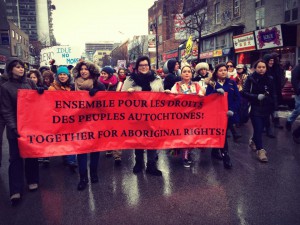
pixel 186 86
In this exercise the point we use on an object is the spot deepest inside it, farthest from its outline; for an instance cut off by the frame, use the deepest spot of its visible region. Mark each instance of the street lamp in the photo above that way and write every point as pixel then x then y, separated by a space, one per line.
pixel 153 27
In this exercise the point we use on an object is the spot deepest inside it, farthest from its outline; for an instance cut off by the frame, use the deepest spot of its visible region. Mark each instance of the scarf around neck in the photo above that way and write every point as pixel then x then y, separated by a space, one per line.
pixel 143 80
pixel 83 84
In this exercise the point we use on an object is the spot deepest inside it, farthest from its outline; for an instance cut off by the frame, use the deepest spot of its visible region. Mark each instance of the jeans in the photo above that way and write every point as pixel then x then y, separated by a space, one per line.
pixel 2 127
pixel 151 156
pixel 258 124
pixel 296 111
pixel 16 169
pixel 82 162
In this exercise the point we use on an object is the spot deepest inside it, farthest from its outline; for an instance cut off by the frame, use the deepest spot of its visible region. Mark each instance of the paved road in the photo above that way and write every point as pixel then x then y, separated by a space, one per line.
pixel 250 193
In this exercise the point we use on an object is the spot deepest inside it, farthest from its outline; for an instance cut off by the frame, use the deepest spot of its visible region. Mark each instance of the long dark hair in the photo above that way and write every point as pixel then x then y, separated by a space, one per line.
pixel 12 64
pixel 38 76
pixel 214 75
pixel 92 68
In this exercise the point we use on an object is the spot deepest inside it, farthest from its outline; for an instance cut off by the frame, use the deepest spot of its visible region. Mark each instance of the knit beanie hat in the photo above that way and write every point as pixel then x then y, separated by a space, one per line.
pixel 107 69
pixel 63 69
pixel 201 65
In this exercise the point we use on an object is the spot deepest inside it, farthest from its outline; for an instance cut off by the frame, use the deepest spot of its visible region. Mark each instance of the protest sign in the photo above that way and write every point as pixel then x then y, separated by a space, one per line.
pixel 61 123
pixel 63 55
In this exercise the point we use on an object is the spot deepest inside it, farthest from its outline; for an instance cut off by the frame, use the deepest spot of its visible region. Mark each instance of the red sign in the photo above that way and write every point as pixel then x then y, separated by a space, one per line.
pixel 206 55
pixel 62 123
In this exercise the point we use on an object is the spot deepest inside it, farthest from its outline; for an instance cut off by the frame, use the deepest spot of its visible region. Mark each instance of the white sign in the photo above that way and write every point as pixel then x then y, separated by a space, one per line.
pixel 151 43
pixel 121 63
pixel 270 37
pixel 63 55
pixel 244 42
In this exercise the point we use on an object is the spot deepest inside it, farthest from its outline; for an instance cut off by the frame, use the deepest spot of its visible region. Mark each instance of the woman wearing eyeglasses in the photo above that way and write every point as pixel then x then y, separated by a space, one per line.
pixel 144 79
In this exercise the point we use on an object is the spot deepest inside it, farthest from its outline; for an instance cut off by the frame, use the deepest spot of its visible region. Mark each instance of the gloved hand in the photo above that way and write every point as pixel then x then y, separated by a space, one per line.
pixel 167 91
pixel 230 113
pixel 15 132
pixel 260 97
pixel 220 91
pixel 130 90
pixel 93 91
pixel 40 90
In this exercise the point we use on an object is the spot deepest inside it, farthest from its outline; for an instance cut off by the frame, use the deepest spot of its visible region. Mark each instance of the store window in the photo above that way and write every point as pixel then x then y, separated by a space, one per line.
pixel 291 10
pixel 236 8
pixel 217 13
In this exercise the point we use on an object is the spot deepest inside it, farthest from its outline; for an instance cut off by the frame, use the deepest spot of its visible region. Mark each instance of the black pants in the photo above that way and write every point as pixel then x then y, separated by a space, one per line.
pixel 16 169
pixel 2 126
pixel 151 156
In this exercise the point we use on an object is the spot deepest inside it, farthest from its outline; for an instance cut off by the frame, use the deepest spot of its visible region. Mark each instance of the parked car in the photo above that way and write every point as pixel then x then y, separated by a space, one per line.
pixel 288 94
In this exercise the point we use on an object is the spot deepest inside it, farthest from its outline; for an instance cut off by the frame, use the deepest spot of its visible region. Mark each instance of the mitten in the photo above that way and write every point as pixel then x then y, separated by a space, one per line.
pixel 260 97
pixel 230 113
pixel 220 91
pixel 40 90
pixel 93 91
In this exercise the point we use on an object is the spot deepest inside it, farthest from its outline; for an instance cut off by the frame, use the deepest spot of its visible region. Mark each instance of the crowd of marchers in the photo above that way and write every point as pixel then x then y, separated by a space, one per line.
pixel 253 94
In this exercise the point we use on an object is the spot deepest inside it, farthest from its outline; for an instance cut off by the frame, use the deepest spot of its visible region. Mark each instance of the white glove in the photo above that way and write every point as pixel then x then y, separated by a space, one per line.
pixel 220 91
pixel 167 91
pixel 260 97
pixel 130 90
pixel 230 113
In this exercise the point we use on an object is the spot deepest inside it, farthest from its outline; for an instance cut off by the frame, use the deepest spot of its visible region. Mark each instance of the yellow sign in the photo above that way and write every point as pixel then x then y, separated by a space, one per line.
pixel 189 45
pixel 217 53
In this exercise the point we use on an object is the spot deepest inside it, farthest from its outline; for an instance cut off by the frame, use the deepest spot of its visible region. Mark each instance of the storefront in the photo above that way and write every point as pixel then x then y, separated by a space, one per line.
pixel 244 47
pixel 281 39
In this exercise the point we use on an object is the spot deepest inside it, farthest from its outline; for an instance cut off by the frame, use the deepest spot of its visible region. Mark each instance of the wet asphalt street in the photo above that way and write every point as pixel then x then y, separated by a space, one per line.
pixel 251 193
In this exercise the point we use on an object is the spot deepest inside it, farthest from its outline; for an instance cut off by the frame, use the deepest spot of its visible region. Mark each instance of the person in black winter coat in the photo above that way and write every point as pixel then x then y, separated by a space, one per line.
pixel 277 73
pixel 172 77
pixel 17 80
pixel 3 79
pixel 296 86
pixel 260 92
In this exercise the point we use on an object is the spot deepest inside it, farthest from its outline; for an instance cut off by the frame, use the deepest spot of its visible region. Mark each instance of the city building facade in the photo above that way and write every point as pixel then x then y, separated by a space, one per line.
pixel 238 30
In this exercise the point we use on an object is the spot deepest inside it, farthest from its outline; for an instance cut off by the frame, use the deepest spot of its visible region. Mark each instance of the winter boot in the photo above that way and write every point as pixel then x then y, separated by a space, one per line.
pixel 139 166
pixel 139 161
pixel 215 153
pixel 94 176
pixel 152 169
pixel 83 181
pixel 226 160
pixel 262 155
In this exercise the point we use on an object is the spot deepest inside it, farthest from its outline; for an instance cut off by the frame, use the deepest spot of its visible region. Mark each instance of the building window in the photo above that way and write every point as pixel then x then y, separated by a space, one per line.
pixel 159 19
pixel 260 18
pixel 236 8
pixel 291 10
pixel 160 39
pixel 208 44
pixel 221 41
pixel 259 3
pixel 217 13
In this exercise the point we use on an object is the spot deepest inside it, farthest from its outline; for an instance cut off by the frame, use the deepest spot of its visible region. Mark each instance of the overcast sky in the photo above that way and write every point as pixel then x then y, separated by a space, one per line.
pixel 77 22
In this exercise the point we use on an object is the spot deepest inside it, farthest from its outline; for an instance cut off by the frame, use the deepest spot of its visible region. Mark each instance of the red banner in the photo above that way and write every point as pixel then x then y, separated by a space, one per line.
pixel 62 123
